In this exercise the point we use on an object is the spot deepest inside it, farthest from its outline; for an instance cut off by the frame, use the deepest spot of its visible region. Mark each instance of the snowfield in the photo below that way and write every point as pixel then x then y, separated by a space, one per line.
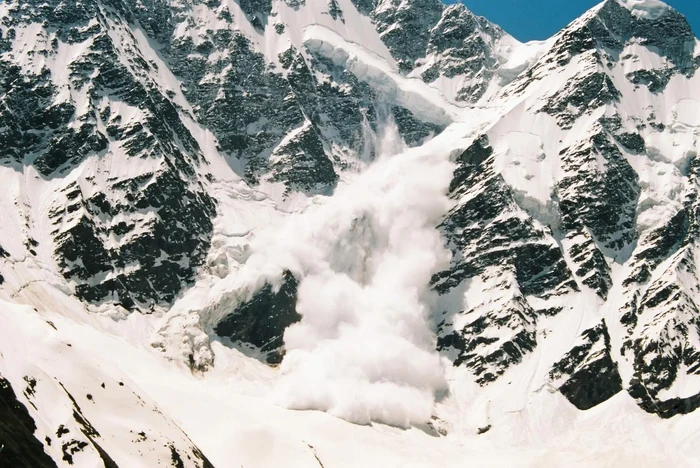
pixel 230 413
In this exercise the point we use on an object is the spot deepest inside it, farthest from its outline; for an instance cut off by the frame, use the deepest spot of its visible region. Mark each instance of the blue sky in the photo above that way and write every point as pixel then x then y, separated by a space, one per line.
pixel 540 19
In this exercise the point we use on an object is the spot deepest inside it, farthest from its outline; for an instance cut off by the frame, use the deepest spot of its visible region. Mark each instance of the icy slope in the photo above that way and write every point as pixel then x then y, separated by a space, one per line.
pixel 78 399
pixel 411 94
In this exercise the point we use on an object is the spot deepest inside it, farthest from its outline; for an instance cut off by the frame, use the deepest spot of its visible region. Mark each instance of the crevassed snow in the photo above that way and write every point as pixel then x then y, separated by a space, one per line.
pixel 519 56
pixel 411 93
pixel 687 112
pixel 354 27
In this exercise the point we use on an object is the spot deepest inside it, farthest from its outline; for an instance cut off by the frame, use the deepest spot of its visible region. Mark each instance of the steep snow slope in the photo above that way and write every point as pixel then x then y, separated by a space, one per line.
pixel 219 212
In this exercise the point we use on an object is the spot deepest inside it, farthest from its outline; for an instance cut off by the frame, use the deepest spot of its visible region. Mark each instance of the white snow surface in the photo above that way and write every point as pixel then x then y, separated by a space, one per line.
pixel 231 415
pixel 649 9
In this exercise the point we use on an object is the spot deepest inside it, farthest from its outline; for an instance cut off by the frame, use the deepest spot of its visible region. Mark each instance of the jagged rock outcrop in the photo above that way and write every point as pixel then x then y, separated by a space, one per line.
pixel 138 238
pixel 599 215
pixel 134 239
pixel 587 375
pixel 20 447
pixel 509 255
pixel 435 41
pixel 499 329
pixel 661 315
pixel 261 321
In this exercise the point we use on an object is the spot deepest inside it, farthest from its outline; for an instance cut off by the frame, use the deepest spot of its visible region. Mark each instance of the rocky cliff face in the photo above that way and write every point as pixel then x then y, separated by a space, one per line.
pixel 447 46
pixel 147 145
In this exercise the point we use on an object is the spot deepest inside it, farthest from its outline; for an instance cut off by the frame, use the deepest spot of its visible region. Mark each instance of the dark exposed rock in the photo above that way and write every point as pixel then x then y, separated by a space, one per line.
pixel 584 94
pixel 147 267
pixel 70 448
pixel 44 133
pixel 449 40
pixel 365 6
pixel 261 321
pixel 632 142
pixel 480 237
pixel 257 11
pixel 488 231
pixel 598 206
pixel 658 246
pixel 412 130
pixel 662 313
pixel 497 334
pixel 175 457
pixel 587 375
pixel 345 108
pixel 300 162
pixel 462 44
pixel 666 408
pixel 404 27
pixel 614 25
pixel 335 11
pixel 483 430
pixel 55 137
pixel 598 39
pixel 664 347
pixel 21 448
pixel 592 268
pixel 250 105
pixel 655 80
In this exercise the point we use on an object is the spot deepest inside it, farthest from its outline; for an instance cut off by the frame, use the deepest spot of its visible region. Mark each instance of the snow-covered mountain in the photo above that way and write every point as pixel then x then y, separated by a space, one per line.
pixel 453 246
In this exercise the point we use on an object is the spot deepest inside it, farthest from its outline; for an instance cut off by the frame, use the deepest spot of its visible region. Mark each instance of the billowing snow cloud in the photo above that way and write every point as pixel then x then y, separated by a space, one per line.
pixel 363 350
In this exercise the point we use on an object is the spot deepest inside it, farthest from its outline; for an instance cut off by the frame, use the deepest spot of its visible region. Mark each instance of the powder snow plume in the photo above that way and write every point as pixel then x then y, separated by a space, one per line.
pixel 364 350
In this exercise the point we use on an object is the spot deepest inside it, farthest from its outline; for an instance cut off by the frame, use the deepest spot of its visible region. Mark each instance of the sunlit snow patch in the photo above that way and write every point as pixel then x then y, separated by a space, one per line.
pixel 648 9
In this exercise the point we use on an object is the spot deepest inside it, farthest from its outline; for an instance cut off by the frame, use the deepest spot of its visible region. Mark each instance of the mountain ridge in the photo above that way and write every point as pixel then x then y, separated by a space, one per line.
pixel 412 217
